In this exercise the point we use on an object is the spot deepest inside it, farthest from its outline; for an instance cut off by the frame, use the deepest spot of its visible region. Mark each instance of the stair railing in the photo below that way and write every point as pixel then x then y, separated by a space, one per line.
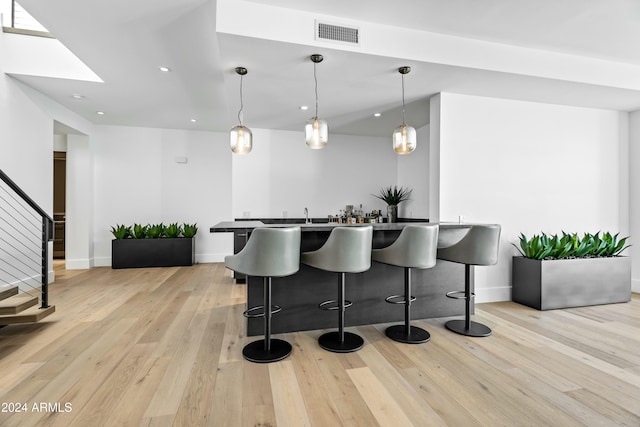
pixel 25 233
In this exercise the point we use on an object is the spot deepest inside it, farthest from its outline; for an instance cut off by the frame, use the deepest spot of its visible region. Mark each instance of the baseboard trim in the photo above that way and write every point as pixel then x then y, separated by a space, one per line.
pixel 210 258
pixel 497 294
pixel 78 264
pixel 102 262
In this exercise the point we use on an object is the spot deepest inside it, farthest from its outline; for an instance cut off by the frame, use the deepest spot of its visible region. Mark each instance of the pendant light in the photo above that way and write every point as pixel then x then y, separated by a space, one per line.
pixel 240 136
pixel 316 130
pixel 404 137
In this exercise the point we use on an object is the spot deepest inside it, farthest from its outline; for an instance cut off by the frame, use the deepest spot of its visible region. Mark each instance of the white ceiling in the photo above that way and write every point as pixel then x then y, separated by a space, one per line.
pixel 605 29
pixel 124 42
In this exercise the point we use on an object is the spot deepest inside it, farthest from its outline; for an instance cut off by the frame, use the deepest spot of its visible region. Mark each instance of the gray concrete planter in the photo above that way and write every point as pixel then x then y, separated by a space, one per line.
pixel 161 252
pixel 565 283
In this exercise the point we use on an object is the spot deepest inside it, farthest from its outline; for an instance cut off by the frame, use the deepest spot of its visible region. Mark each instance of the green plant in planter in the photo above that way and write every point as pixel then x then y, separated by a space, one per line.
pixel 189 230
pixel 155 231
pixel 569 245
pixel 121 231
pixel 139 231
pixel 393 196
pixel 173 230
pixel 609 245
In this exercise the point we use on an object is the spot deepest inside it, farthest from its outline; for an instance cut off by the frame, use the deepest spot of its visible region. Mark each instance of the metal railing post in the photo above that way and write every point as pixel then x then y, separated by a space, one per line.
pixel 45 262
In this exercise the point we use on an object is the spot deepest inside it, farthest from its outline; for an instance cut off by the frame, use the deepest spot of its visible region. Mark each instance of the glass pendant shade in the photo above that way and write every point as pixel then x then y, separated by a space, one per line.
pixel 240 139
pixel 316 133
pixel 240 136
pixel 404 139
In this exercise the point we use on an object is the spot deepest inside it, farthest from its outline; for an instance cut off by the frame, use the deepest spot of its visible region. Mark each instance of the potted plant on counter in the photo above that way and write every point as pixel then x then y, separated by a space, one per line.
pixel 569 271
pixel 393 196
pixel 155 245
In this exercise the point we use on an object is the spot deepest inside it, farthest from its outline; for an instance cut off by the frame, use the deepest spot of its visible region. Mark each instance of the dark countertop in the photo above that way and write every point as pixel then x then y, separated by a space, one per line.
pixel 450 232
pixel 231 226
pixel 322 220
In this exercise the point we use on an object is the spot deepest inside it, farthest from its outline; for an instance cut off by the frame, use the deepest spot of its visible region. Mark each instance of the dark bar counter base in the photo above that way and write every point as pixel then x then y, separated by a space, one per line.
pixel 299 296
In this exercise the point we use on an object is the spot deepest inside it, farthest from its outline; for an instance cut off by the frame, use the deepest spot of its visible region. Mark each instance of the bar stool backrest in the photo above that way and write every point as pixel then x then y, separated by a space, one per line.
pixel 270 252
pixel 347 250
pixel 478 247
pixel 416 247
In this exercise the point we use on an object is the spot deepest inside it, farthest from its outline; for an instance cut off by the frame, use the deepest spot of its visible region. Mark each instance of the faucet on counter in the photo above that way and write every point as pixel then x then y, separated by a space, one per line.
pixel 306 216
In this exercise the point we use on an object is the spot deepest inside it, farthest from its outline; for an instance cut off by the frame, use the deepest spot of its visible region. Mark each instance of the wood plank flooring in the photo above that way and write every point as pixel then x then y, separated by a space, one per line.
pixel 162 346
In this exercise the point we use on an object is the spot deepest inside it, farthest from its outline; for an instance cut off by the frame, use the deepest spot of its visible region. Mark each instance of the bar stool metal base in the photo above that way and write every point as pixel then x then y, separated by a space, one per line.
pixel 255 352
pixel 399 333
pixel 331 342
pixel 475 329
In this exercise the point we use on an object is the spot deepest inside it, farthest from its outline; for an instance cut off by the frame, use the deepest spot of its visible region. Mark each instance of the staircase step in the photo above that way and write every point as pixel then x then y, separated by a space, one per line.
pixel 8 290
pixel 30 315
pixel 17 303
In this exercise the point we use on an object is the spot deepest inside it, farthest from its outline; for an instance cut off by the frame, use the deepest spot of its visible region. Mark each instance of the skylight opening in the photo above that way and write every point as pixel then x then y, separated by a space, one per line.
pixel 16 17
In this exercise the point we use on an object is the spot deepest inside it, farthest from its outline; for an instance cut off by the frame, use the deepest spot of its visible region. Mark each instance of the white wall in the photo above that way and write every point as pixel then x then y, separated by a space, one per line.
pixel 282 175
pixel 634 198
pixel 5 11
pixel 137 180
pixel 26 143
pixel 79 203
pixel 530 167
pixel 434 158
pixel 60 143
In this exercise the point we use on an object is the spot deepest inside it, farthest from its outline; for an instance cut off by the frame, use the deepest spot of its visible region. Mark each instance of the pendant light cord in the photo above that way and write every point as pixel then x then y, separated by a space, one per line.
pixel 403 119
pixel 241 103
pixel 315 78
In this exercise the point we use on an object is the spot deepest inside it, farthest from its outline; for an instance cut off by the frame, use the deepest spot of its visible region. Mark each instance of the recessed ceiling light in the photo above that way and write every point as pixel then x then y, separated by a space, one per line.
pixel 77 96
pixel 377 115
pixel 193 120
pixel 100 113
pixel 304 107
pixel 164 69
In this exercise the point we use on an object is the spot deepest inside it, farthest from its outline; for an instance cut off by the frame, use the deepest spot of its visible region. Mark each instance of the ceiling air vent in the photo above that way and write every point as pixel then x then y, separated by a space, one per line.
pixel 337 33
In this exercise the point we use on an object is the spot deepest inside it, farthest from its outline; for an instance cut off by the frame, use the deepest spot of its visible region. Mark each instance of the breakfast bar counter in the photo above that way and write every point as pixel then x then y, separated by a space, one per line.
pixel 300 294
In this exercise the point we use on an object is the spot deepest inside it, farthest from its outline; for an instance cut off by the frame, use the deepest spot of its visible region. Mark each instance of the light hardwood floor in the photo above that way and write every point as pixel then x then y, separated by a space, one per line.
pixel 163 347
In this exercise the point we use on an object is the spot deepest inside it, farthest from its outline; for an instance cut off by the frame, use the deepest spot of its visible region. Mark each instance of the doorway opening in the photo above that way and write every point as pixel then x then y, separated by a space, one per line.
pixel 59 202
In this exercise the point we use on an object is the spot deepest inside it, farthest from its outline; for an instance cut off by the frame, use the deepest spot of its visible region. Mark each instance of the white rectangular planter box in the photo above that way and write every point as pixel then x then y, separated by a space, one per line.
pixel 565 283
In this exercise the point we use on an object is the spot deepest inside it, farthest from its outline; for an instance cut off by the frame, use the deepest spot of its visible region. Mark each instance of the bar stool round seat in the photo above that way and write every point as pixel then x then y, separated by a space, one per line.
pixel 416 247
pixel 347 250
pixel 270 252
pixel 478 247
